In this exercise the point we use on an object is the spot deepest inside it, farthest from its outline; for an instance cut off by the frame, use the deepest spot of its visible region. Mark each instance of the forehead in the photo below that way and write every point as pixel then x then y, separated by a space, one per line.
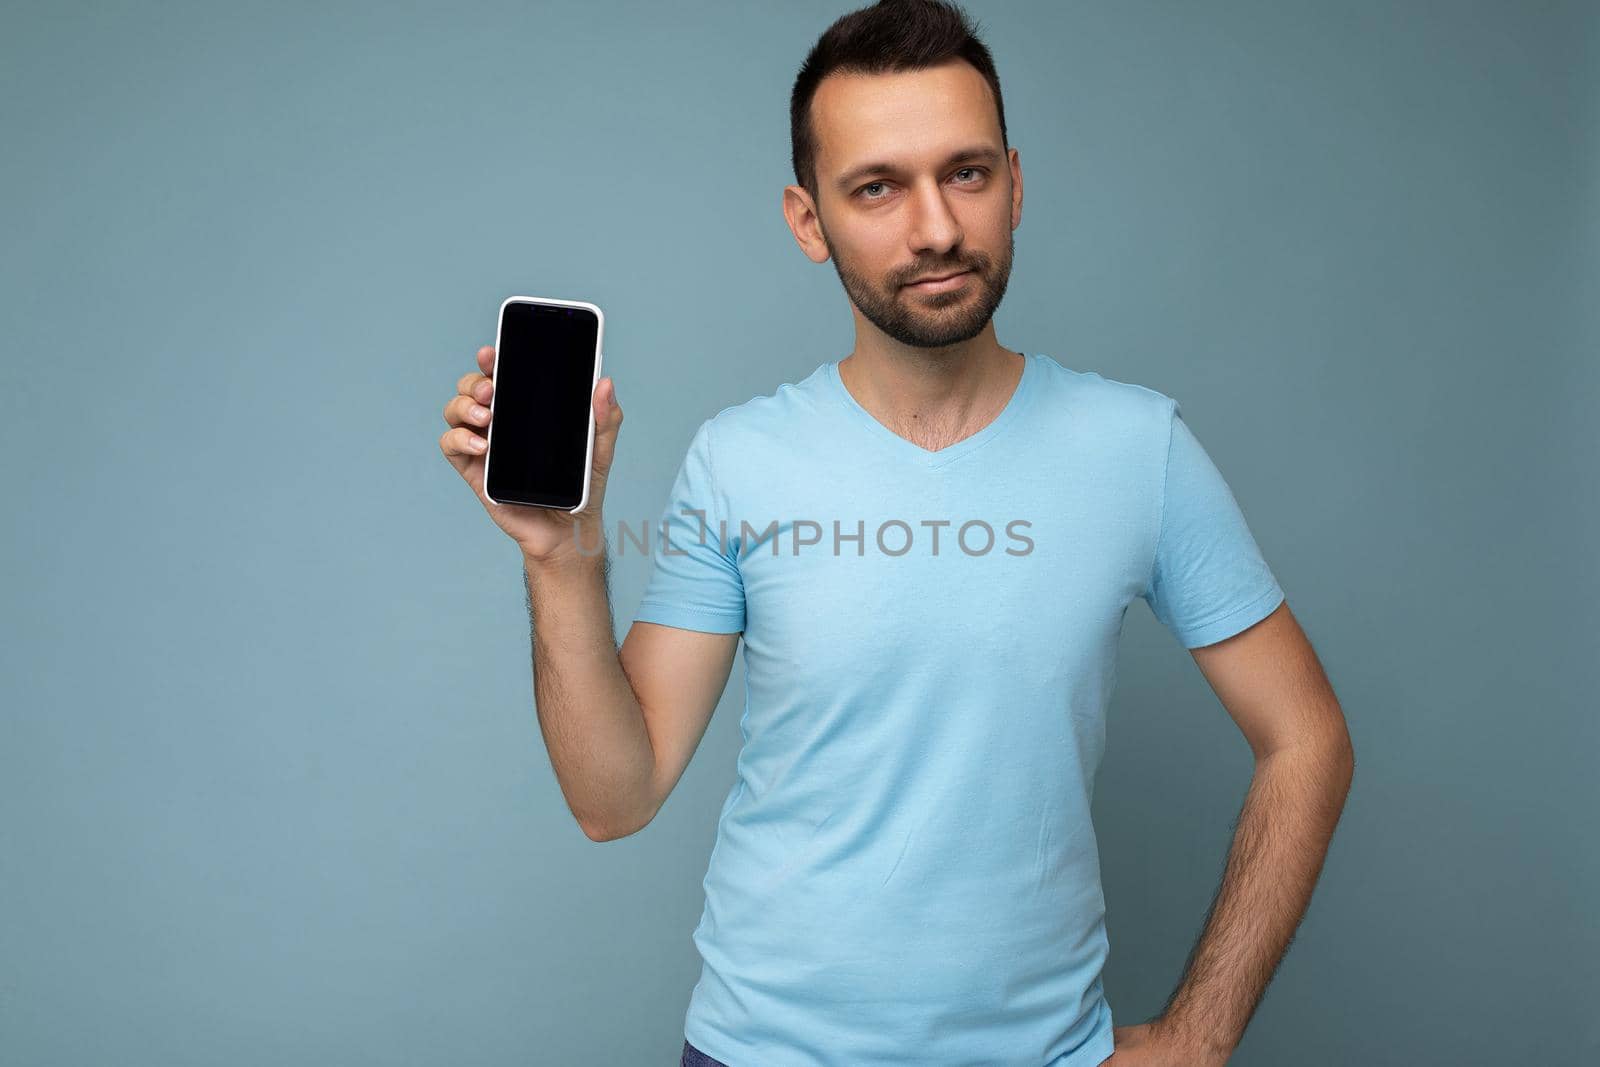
pixel 903 114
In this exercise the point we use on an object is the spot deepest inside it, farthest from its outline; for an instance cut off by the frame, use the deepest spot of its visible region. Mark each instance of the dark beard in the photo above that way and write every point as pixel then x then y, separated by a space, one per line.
pixel 932 320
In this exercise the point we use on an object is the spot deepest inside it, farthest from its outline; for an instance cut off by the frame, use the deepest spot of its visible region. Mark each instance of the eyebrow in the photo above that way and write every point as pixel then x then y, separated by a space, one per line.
pixel 984 152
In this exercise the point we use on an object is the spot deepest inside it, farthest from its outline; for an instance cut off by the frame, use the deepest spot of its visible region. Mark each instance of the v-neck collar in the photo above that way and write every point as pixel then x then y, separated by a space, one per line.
pixel 937 457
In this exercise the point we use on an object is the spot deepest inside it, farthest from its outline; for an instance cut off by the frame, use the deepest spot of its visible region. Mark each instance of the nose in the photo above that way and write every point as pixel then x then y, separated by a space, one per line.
pixel 934 229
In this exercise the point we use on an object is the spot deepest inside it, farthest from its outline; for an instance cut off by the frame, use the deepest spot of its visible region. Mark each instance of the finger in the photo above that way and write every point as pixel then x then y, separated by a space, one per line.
pixel 461 463
pixel 477 386
pixel 465 411
pixel 606 408
pixel 462 444
pixel 607 423
pixel 486 360
pixel 605 397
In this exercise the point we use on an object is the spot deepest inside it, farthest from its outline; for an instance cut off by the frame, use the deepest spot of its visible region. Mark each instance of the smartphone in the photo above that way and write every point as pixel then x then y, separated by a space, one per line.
pixel 541 425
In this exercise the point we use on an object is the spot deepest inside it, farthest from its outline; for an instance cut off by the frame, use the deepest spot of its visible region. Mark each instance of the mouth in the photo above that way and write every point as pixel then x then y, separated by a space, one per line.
pixel 945 281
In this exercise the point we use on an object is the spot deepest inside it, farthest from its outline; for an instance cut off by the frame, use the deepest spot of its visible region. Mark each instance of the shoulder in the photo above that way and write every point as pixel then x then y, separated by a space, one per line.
pixel 1108 403
pixel 770 416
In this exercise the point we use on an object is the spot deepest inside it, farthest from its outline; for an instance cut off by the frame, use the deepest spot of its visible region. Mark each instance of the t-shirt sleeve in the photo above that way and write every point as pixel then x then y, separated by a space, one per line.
pixel 1208 580
pixel 694 583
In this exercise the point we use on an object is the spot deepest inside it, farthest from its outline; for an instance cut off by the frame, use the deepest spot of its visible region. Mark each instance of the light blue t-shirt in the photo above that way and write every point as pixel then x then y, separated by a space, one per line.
pixel 905 871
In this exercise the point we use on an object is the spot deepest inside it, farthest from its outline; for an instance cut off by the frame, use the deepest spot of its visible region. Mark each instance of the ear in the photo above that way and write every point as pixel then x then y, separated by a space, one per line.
pixel 800 212
pixel 1015 160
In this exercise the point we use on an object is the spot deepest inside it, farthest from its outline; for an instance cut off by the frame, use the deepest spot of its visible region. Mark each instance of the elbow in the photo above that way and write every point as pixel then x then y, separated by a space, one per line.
pixel 598 831
pixel 625 819
pixel 1340 759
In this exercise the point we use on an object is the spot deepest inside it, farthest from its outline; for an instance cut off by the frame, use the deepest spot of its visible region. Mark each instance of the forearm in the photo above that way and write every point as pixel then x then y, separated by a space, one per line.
pixel 1296 796
pixel 592 724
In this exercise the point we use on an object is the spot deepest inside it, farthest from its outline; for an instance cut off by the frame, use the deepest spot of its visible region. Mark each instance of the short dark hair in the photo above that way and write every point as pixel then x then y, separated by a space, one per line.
pixel 891 35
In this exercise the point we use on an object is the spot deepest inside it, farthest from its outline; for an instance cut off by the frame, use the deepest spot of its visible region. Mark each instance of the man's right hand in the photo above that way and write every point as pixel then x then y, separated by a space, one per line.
pixel 544 534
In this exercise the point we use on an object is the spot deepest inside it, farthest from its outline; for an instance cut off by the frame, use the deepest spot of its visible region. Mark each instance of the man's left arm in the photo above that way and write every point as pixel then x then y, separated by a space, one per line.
pixel 1273 686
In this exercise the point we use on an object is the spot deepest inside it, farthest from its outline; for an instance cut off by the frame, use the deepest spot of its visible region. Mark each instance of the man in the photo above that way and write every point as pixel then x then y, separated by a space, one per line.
pixel 929 547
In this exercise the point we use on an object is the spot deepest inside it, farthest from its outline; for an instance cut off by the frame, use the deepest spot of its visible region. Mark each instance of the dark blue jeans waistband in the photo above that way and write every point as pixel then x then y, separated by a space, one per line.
pixel 693 1057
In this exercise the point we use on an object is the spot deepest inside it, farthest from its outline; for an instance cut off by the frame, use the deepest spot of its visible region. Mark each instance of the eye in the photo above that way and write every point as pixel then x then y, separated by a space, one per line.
pixel 978 173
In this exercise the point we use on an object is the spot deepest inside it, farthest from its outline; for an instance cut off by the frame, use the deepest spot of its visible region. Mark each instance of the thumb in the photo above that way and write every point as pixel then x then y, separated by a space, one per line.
pixel 608 420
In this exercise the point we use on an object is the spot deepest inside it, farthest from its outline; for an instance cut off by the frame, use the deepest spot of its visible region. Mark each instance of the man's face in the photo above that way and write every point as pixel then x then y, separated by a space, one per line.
pixel 924 211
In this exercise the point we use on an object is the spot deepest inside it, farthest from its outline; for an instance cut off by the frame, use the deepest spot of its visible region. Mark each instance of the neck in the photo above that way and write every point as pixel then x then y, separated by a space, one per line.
pixel 931 395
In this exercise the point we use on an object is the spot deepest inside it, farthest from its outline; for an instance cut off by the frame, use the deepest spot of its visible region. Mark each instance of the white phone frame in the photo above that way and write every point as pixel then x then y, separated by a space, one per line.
pixel 599 355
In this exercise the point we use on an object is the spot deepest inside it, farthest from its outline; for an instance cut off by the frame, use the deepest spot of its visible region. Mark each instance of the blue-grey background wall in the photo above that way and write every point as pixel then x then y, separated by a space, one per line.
pixel 271 784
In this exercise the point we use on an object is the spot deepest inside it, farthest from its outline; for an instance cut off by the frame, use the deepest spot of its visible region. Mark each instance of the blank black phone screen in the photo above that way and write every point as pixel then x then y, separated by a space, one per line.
pixel 543 391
